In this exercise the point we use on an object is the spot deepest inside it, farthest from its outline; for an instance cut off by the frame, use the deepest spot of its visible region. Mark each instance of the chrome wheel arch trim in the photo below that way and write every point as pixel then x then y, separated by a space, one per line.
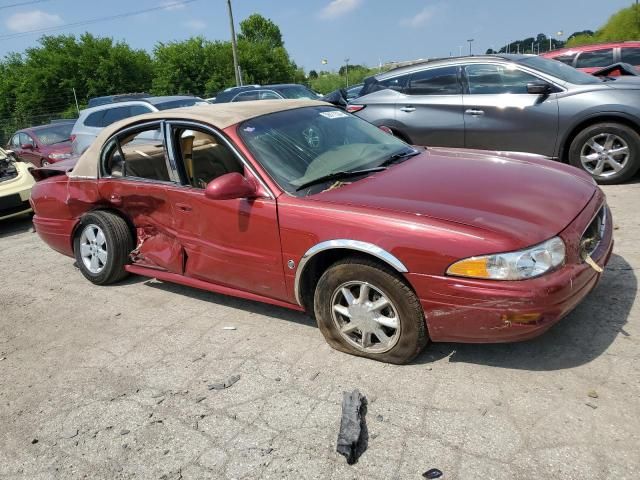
pixel 344 244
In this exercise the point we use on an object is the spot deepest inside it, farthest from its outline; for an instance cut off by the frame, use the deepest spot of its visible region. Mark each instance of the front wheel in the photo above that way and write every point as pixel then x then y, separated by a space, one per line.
pixel 102 247
pixel 365 309
pixel 609 152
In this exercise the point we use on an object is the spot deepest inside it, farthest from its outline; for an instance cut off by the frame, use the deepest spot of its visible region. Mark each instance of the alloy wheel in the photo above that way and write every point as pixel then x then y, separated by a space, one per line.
pixel 604 155
pixel 365 317
pixel 93 248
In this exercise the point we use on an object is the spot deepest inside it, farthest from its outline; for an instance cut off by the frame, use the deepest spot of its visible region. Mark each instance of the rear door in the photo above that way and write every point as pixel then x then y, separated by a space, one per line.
pixel 136 179
pixel 499 114
pixel 234 242
pixel 431 110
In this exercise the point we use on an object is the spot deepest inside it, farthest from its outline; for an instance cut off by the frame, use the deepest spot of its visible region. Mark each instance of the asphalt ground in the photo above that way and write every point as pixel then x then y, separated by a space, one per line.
pixel 113 382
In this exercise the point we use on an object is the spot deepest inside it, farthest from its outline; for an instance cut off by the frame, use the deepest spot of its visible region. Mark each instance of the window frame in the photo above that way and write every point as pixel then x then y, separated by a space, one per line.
pixel 622 51
pixel 596 51
pixel 115 138
pixel 177 162
pixel 407 87
pixel 534 73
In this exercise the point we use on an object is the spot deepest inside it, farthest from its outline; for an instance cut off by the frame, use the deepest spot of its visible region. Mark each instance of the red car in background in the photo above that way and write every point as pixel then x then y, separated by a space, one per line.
pixel 301 205
pixel 591 58
pixel 43 145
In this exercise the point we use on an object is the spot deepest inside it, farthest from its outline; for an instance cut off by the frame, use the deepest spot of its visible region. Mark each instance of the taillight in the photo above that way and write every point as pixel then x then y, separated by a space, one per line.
pixel 72 138
pixel 354 108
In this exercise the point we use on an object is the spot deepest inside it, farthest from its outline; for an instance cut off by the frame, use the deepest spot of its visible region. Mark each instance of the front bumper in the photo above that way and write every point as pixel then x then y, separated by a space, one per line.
pixel 482 311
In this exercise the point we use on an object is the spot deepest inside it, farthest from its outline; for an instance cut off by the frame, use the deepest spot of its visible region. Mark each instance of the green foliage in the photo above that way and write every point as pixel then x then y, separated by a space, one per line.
pixel 37 85
pixel 621 26
pixel 326 82
pixel 257 29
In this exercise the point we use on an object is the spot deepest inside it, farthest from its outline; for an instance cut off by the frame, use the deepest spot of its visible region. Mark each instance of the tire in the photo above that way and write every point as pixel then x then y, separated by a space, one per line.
pixel 117 242
pixel 404 310
pixel 623 137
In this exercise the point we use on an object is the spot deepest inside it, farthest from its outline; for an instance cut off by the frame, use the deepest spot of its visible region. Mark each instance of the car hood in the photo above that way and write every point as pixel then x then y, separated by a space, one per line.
pixel 525 197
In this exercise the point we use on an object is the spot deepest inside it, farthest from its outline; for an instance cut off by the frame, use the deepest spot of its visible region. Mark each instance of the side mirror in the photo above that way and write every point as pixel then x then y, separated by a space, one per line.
pixel 26 146
pixel 539 88
pixel 386 129
pixel 230 186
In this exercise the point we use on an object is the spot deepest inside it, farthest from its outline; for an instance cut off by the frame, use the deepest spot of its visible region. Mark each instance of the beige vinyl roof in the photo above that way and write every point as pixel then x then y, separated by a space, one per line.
pixel 219 115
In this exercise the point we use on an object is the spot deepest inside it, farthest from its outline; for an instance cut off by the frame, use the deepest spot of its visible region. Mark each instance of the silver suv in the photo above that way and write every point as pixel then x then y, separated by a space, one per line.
pixel 92 120
pixel 519 103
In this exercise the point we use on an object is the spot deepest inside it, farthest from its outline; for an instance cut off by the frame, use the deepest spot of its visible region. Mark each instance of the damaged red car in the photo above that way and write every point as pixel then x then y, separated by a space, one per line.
pixel 298 204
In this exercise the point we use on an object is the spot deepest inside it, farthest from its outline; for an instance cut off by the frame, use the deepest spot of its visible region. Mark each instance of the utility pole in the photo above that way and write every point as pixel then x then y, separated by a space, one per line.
pixel 346 69
pixel 234 45
pixel 76 99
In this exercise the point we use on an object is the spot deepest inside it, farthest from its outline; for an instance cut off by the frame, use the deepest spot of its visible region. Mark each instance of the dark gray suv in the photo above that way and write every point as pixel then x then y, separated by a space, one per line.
pixel 519 103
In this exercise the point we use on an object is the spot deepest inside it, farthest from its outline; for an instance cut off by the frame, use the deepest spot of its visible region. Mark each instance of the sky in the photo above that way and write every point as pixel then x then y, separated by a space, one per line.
pixel 364 31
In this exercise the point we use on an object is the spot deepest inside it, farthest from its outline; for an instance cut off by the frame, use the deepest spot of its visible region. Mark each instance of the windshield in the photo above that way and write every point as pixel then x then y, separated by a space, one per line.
pixel 301 145
pixel 184 102
pixel 297 91
pixel 559 70
pixel 55 133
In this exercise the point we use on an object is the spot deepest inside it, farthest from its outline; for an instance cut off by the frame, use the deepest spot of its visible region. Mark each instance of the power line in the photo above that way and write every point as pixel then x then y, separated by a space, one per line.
pixel 96 20
pixel 30 2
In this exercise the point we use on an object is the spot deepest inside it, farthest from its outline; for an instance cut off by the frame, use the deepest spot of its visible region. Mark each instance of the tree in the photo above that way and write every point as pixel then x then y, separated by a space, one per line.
pixel 622 25
pixel 258 29
pixel 38 85
pixel 313 74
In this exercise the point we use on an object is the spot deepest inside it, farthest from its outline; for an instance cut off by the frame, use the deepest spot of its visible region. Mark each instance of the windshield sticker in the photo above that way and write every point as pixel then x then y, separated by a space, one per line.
pixel 334 114
pixel 249 129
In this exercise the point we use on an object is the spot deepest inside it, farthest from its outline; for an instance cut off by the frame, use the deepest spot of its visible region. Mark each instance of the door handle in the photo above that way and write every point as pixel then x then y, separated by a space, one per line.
pixel 408 109
pixel 475 112
pixel 183 207
pixel 115 199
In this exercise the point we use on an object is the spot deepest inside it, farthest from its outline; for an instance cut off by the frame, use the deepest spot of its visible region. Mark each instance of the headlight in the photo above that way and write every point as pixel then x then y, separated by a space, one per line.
pixel 59 156
pixel 529 263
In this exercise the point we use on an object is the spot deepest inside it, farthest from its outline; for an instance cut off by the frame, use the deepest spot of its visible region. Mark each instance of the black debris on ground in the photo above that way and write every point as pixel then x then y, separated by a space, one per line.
pixel 226 384
pixel 353 437
pixel 432 473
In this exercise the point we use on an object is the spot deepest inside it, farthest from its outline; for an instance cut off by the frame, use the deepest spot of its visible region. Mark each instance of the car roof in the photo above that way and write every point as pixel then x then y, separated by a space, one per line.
pixel 46 126
pixel 166 98
pixel 451 60
pixel 219 115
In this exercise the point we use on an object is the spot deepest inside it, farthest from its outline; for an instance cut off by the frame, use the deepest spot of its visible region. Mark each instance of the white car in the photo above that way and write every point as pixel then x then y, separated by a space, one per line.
pixel 15 186
pixel 92 120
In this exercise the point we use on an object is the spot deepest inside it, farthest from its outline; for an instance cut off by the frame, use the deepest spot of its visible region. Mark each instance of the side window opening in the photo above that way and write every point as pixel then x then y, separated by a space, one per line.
pixel 204 157
pixel 435 81
pixel 141 154
pixel 597 58
pixel 486 79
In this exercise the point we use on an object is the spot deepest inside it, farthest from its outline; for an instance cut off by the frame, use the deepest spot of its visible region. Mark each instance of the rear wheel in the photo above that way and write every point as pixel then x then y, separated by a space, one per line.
pixel 102 247
pixel 365 309
pixel 609 152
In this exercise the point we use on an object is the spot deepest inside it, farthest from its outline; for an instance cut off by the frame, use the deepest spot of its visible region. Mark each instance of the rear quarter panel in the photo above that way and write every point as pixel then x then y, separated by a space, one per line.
pixel 58 203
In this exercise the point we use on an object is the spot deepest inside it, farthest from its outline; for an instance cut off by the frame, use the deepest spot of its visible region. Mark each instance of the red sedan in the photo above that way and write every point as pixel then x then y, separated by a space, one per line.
pixel 42 145
pixel 298 204
pixel 591 58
